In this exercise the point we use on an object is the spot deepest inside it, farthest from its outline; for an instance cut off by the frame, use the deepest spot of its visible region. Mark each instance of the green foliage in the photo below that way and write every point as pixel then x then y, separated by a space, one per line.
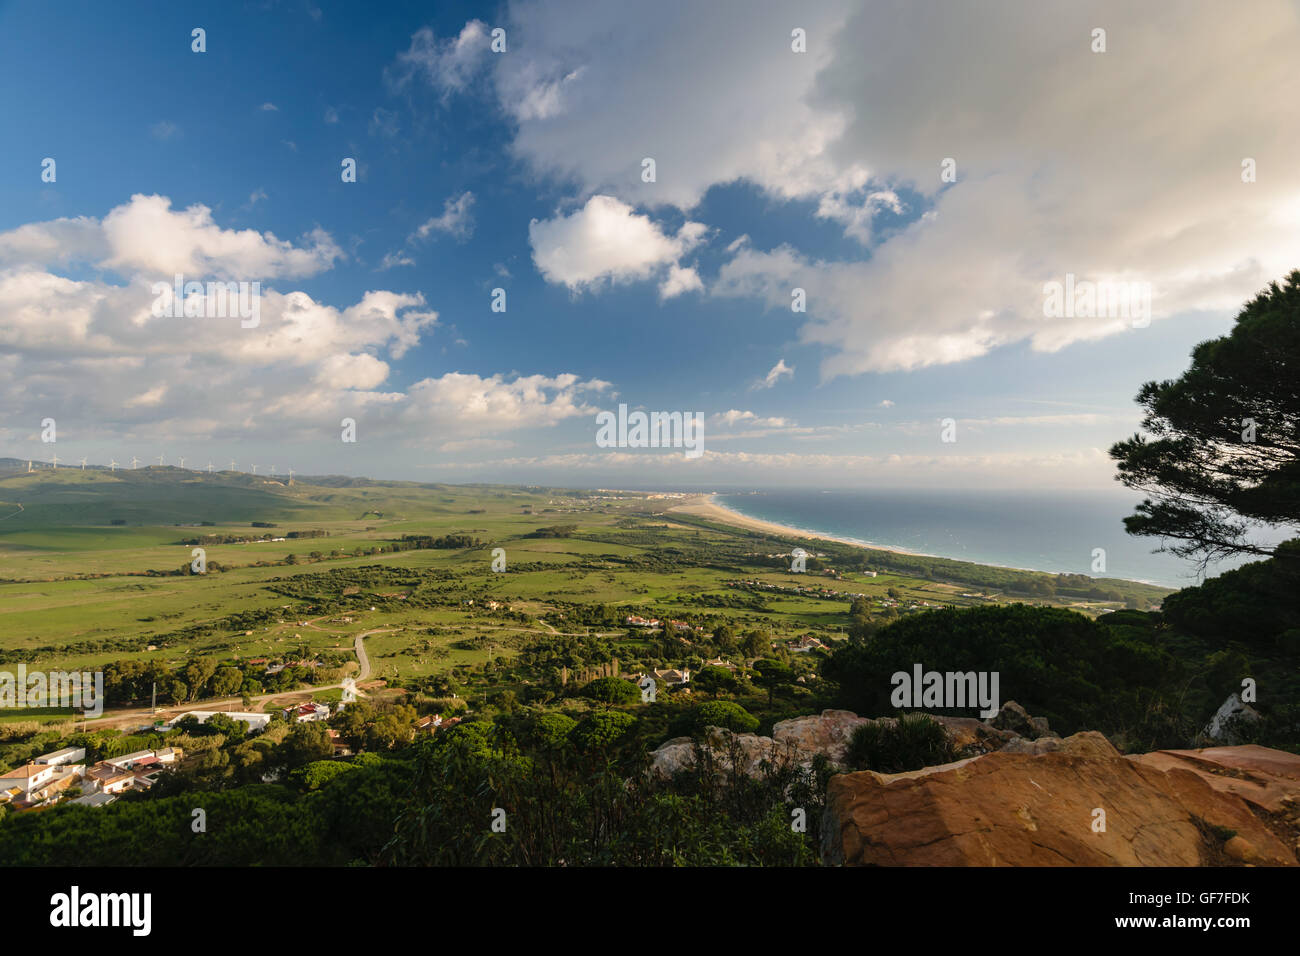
pixel 1056 663
pixel 612 690
pixel 726 714
pixel 1225 436
pixel 601 730
pixel 318 773
pixel 715 680
pixel 911 742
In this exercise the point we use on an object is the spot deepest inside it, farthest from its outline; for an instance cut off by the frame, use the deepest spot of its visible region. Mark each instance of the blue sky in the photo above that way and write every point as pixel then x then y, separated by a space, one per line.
pixel 521 170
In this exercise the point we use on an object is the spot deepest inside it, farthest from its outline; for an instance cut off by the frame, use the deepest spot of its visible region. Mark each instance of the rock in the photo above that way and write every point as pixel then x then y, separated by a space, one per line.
pixel 802 739
pixel 1024 809
pixel 970 736
pixel 1241 849
pixel 1014 718
pixel 826 733
pixel 745 751
pixel 1089 743
pixel 1221 728
pixel 1269 779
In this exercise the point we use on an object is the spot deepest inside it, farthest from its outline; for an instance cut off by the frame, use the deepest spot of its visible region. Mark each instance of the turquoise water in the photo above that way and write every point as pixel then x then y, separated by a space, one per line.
pixel 1040 531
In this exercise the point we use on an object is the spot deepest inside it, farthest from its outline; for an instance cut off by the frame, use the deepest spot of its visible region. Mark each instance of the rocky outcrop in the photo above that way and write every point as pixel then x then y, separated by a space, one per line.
pixel 1265 778
pixel 826 733
pixel 1052 802
pixel 1013 718
pixel 1226 724
pixel 802 739
pixel 726 749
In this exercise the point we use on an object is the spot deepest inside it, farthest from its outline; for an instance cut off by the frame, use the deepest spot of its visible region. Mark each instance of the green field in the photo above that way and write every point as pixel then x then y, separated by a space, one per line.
pixel 89 572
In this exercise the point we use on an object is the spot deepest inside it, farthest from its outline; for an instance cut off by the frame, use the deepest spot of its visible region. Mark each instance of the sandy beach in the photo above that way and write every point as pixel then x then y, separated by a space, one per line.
pixel 706 506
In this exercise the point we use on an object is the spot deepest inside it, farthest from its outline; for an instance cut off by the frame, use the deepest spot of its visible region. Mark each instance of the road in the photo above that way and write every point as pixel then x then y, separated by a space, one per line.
pixel 136 713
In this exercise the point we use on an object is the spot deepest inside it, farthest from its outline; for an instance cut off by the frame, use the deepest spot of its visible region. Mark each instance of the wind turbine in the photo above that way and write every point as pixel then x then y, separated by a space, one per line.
pixel 254 469
pixel 273 471
pixel 232 464
pixel 135 462
pixel 290 476
pixel 29 466
pixel 55 462
pixel 182 464
pixel 209 468
pixel 83 464
pixel 112 465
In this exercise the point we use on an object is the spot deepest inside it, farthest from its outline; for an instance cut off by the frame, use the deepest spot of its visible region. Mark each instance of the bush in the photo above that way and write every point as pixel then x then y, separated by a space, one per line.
pixel 911 742
pixel 612 690
pixel 726 714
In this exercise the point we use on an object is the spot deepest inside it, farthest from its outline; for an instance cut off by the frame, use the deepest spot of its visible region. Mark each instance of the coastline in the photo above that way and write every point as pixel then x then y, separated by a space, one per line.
pixel 706 506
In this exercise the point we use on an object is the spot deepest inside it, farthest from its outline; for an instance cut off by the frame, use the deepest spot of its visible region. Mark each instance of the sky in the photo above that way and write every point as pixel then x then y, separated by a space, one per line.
pixel 920 171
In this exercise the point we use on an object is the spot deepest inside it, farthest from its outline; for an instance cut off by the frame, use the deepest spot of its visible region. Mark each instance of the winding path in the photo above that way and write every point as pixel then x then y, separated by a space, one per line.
pixel 364 673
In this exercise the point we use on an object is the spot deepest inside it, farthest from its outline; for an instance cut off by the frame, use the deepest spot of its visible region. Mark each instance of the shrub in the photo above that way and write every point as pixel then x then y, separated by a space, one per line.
pixel 726 714
pixel 911 742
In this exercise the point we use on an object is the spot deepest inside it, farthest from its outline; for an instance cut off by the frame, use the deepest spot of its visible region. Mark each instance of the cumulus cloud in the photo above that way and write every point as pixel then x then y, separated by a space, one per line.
pixel 607 241
pixel 89 340
pixel 1067 161
pixel 734 417
pixel 147 237
pixel 470 404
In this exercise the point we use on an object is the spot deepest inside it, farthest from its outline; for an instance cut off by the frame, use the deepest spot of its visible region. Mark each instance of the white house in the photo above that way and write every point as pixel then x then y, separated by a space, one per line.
pixel 306 712
pixel 66 755
pixel 27 778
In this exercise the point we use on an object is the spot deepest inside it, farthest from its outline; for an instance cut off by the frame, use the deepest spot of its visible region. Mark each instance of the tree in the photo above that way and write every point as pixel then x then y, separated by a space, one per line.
pixel 601 730
pixel 612 690
pixel 772 674
pixel 306 742
pixel 726 714
pixel 714 680
pixel 755 644
pixel 1224 437
pixel 227 681
pixel 229 727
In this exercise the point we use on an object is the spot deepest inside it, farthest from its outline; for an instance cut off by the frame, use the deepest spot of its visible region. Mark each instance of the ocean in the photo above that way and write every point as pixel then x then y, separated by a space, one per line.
pixel 1040 531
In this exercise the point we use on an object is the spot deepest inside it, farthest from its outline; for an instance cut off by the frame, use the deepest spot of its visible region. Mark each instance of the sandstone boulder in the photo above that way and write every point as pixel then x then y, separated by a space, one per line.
pixel 1025 809
pixel 826 733
pixel 1266 778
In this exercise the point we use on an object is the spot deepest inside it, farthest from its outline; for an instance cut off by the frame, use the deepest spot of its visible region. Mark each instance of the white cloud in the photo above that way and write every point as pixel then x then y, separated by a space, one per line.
pixel 88 349
pixel 447 66
pixel 165 130
pixel 468 404
pixel 1116 166
pixel 147 237
pixel 269 108
pixel 734 417
pixel 678 281
pixel 775 374
pixel 476 444
pixel 606 240
pixel 456 220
